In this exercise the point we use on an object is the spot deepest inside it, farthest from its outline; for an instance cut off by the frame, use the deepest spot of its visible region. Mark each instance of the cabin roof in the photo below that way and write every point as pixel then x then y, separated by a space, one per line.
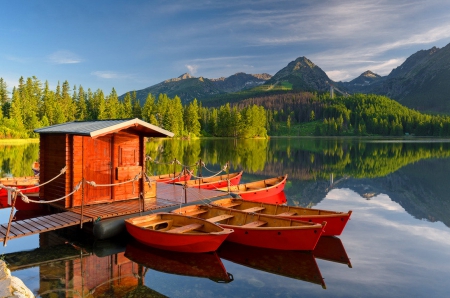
pixel 103 127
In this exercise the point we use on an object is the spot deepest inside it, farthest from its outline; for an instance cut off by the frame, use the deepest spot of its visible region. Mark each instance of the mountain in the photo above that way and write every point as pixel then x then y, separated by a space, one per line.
pixel 303 75
pixel 188 87
pixel 421 82
pixel 362 83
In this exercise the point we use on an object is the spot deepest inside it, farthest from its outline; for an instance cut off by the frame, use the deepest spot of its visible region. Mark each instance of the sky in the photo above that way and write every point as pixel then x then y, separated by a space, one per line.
pixel 131 45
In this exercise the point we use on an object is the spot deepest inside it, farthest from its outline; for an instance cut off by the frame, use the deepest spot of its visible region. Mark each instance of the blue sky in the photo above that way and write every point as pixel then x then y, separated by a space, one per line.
pixel 130 45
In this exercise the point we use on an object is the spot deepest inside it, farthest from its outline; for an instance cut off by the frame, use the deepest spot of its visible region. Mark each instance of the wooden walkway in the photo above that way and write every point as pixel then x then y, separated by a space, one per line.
pixel 41 224
pixel 167 195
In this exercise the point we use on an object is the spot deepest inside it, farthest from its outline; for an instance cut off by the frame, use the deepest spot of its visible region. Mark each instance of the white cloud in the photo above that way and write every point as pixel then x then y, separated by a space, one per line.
pixel 192 68
pixel 105 74
pixel 64 57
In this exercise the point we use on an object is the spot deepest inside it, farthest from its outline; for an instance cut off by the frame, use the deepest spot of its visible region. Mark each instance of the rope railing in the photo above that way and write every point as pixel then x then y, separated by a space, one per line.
pixel 62 171
pixel 136 178
pixel 28 200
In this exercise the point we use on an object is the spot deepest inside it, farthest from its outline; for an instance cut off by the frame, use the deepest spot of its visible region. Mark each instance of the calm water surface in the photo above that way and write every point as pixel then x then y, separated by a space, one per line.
pixel 398 238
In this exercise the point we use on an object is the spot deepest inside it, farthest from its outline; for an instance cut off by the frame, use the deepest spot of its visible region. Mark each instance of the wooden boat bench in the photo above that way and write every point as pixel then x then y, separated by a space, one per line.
pixel 196 212
pixel 186 228
pixel 253 209
pixel 231 205
pixel 254 224
pixel 157 225
pixel 288 213
pixel 220 218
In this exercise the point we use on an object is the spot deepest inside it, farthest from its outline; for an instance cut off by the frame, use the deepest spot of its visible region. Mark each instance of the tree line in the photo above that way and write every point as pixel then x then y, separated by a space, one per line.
pixel 32 104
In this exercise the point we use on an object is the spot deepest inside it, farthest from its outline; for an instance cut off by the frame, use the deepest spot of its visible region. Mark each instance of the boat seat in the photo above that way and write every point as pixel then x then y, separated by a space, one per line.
pixel 231 205
pixel 196 212
pixel 255 224
pixel 186 228
pixel 220 218
pixel 161 225
pixel 288 213
pixel 254 209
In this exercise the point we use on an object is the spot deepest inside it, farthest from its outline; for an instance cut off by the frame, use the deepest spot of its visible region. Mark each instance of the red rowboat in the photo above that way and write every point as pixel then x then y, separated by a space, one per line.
pixel 299 265
pixel 172 178
pixel 177 232
pixel 259 230
pixel 204 265
pixel 336 221
pixel 27 186
pixel 214 182
pixel 258 191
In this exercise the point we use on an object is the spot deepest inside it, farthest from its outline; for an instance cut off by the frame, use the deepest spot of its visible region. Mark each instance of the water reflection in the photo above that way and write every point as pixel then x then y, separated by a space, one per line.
pixel 205 265
pixel 70 265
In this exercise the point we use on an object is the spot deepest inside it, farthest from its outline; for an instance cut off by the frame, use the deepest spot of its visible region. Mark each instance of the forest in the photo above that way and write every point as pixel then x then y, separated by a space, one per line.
pixel 32 104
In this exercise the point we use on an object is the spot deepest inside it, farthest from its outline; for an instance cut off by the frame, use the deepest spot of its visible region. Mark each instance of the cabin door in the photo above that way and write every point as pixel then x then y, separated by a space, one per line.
pixel 98 168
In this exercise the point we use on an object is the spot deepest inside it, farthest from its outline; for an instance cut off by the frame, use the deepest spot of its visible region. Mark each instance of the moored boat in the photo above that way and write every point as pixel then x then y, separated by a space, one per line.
pixel 215 181
pixel 259 230
pixel 172 177
pixel 336 221
pixel 258 191
pixel 177 232
pixel 27 185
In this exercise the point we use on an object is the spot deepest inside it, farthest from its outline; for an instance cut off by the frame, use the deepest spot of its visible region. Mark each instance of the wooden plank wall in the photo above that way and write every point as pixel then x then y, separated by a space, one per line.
pixel 54 155
pixel 77 169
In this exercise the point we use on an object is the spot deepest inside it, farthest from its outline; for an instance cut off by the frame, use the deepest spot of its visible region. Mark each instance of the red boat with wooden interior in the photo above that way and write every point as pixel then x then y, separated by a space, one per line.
pixel 172 177
pixel 259 230
pixel 336 221
pixel 258 191
pixel 177 232
pixel 214 182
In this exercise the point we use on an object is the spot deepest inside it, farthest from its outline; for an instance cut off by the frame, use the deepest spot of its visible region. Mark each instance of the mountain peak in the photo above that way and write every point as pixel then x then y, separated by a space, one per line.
pixel 186 76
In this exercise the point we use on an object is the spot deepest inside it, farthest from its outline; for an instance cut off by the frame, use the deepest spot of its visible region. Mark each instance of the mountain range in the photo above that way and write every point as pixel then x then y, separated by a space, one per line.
pixel 421 82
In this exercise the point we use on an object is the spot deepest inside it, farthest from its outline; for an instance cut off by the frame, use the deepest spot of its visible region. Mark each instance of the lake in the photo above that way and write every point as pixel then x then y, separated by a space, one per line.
pixel 396 244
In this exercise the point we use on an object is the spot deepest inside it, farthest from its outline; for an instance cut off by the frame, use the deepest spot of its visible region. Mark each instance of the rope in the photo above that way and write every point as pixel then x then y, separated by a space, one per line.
pixel 28 200
pixel 136 178
pixel 62 171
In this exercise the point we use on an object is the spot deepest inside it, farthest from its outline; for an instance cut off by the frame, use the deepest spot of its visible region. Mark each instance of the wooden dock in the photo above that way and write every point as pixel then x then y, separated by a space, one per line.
pixel 167 195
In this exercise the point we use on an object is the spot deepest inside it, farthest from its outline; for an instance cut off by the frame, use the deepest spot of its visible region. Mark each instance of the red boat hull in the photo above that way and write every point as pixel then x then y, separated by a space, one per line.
pixel 177 179
pixel 221 183
pixel 266 194
pixel 282 238
pixel 177 242
pixel 335 223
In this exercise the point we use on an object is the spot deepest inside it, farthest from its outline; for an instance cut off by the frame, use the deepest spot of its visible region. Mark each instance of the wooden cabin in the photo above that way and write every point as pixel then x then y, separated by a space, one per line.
pixel 107 152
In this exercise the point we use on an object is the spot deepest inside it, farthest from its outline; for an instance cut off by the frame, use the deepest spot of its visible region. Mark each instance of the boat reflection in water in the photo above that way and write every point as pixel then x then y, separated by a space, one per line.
pixel 290 263
pixel 294 264
pixel 330 248
pixel 206 265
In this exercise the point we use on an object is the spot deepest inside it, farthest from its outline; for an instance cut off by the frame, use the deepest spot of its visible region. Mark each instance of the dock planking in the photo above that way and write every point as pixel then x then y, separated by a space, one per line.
pixel 41 224
pixel 168 195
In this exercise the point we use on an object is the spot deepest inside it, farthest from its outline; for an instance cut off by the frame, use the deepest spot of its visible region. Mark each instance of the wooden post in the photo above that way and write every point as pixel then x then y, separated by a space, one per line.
pixel 13 203
pixel 199 173
pixel 174 167
pixel 82 205
pixel 185 188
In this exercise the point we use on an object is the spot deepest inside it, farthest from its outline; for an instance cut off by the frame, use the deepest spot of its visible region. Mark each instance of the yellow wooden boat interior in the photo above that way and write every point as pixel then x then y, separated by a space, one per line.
pixel 274 209
pixel 250 186
pixel 20 181
pixel 243 219
pixel 173 223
